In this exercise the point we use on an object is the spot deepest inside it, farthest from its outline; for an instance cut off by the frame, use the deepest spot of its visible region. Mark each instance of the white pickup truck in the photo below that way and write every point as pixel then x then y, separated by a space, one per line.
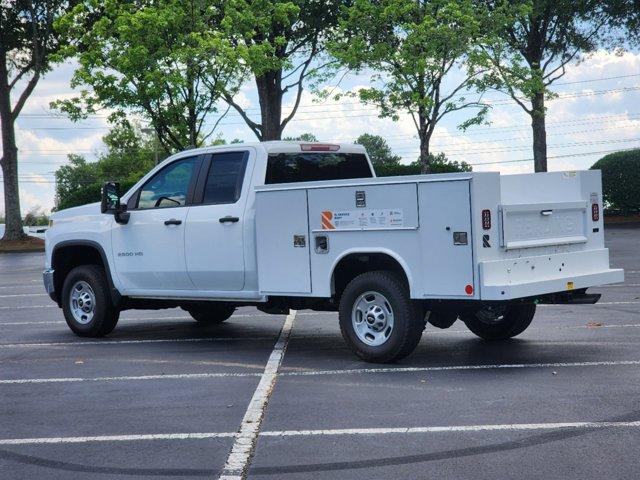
pixel 282 225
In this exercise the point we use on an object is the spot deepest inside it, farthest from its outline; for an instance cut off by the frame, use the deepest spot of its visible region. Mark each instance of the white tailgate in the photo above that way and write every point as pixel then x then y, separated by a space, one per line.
pixel 543 224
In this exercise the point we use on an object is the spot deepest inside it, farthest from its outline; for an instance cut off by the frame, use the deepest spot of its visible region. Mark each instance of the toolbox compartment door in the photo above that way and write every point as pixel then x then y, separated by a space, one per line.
pixel 543 224
pixel 282 239
pixel 446 238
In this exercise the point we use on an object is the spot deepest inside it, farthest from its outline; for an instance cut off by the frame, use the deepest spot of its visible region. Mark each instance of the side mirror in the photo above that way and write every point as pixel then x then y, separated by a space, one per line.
pixel 110 197
pixel 110 202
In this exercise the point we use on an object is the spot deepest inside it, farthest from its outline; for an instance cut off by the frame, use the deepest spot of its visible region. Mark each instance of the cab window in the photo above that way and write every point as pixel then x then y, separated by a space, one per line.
pixel 312 166
pixel 169 187
pixel 224 179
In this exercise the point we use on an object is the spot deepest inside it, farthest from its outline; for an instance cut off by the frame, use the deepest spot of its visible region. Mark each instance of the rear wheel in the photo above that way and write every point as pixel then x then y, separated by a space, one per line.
pixel 86 303
pixel 378 320
pixel 213 314
pixel 499 322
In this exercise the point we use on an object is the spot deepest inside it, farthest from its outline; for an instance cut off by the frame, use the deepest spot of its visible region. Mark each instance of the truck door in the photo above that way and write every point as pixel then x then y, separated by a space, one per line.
pixel 445 224
pixel 214 237
pixel 149 250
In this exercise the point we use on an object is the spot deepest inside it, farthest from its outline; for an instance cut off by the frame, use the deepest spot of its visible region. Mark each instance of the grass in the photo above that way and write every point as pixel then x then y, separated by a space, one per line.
pixel 30 244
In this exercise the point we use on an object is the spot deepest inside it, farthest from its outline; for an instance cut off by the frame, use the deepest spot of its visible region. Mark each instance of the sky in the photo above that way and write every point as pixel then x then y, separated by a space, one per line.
pixel 597 111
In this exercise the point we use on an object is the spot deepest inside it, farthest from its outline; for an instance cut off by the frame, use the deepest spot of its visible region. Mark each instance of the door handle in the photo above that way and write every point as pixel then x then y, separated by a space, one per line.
pixel 173 221
pixel 230 219
pixel 546 213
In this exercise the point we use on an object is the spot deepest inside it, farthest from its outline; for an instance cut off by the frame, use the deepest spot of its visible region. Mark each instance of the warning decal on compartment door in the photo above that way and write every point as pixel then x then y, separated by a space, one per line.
pixel 362 219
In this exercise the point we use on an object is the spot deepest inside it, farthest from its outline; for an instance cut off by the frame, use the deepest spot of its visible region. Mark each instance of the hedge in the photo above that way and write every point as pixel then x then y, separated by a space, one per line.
pixel 393 169
pixel 621 180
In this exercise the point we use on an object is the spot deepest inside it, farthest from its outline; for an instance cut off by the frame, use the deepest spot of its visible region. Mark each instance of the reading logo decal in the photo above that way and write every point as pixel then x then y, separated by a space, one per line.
pixel 362 219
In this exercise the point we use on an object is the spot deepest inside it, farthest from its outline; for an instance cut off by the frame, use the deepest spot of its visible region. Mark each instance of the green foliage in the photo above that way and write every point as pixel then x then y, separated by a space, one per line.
pixel 280 44
pixel 621 180
pixel 413 47
pixel 35 218
pixel 439 164
pixel 129 156
pixel 543 36
pixel 157 59
pixel 305 137
pixel 539 41
pixel 378 149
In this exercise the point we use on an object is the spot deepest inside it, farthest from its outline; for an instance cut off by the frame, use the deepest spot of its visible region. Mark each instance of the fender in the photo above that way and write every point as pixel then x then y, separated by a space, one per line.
pixel 383 251
pixel 116 297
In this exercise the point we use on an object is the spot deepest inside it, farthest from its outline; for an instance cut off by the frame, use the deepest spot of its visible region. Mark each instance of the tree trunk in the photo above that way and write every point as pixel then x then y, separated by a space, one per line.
pixel 538 115
pixel 13 221
pixel 270 97
pixel 424 134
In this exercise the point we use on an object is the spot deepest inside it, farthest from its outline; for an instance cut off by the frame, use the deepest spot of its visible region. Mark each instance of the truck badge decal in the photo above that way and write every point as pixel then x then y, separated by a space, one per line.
pixel 130 254
pixel 485 241
pixel 361 199
pixel 327 221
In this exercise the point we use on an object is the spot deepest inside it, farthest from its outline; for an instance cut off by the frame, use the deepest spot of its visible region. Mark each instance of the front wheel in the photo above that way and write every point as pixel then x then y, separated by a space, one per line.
pixel 86 303
pixel 378 320
pixel 499 322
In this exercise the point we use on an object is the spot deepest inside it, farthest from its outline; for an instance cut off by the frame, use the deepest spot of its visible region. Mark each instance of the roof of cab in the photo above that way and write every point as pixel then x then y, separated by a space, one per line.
pixel 275 146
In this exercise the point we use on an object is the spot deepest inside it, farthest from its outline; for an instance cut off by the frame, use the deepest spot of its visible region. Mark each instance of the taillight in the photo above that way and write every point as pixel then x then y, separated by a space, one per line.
pixel 486 219
pixel 595 207
pixel 319 147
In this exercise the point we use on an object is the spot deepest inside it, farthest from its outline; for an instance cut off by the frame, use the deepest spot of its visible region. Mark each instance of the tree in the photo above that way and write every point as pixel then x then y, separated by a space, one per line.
pixel 156 59
pixel 439 164
pixel 534 50
pixel 621 180
pixel 280 44
pixel 28 47
pixel 377 148
pixel 129 156
pixel 414 47
pixel 304 137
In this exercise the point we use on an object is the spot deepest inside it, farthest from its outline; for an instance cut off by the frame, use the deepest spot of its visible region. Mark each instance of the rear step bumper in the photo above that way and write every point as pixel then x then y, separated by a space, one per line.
pixel 571 298
pixel 540 275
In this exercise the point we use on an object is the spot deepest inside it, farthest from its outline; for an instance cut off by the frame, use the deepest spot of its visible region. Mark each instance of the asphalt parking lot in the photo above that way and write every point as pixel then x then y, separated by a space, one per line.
pixel 164 397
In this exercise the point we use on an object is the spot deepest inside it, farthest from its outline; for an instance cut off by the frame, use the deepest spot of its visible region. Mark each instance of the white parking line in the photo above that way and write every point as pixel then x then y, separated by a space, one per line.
pixel 20 286
pixel 114 438
pixel 460 367
pixel 632 302
pixel 619 286
pixel 453 428
pixel 303 373
pixel 115 342
pixel 324 432
pixel 179 376
pixel 24 295
pixel 22 307
pixel 238 460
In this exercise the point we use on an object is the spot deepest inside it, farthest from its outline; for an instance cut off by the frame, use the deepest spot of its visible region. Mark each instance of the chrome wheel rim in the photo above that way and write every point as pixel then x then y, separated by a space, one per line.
pixel 372 318
pixel 82 302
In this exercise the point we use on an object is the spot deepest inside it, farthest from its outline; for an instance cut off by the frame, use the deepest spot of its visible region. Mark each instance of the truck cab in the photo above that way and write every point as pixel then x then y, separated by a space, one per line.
pixel 287 225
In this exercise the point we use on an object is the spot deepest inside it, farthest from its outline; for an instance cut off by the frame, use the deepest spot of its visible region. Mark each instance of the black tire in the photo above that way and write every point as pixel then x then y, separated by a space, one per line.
pixel 408 317
pixel 213 314
pixel 105 315
pixel 512 320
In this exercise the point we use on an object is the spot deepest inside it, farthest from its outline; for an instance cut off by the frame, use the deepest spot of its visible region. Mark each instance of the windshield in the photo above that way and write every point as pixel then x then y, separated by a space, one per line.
pixel 313 166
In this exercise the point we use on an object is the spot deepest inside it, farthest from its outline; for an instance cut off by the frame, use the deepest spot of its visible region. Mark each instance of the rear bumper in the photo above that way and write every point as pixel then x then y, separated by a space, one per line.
pixel 539 275
pixel 47 278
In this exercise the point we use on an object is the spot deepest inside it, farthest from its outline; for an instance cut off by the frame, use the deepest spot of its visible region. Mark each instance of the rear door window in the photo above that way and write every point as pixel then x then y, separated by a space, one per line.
pixel 224 179
pixel 313 166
